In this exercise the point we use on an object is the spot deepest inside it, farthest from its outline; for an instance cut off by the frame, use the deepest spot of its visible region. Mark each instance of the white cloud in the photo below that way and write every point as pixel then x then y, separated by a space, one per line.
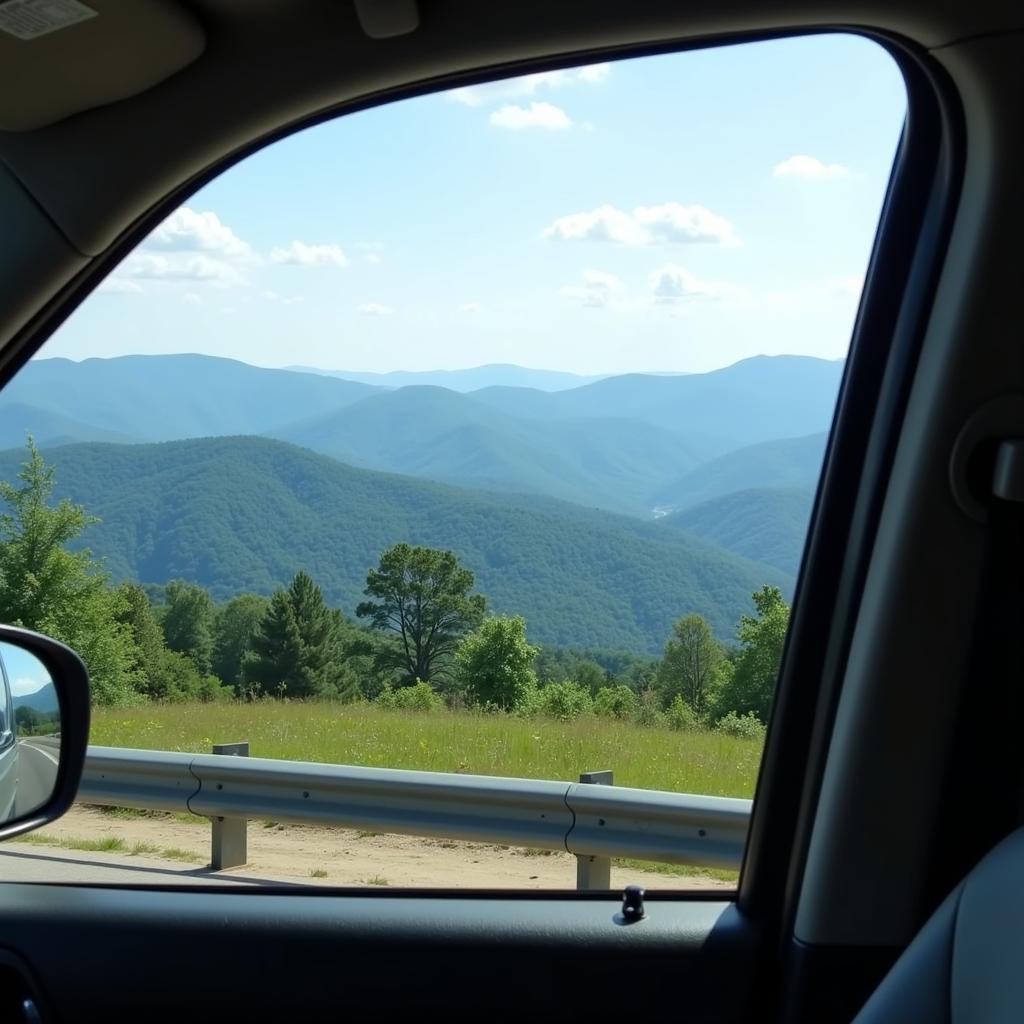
pixel 672 283
pixel 537 115
pixel 646 225
pixel 180 266
pixel 605 224
pixel 24 685
pixel 470 307
pixel 305 255
pixel 188 230
pixel 527 85
pixel 192 299
pixel 294 300
pixel 373 258
pixel 116 285
pixel 809 168
pixel 596 290
pixel 375 309
pixel 673 222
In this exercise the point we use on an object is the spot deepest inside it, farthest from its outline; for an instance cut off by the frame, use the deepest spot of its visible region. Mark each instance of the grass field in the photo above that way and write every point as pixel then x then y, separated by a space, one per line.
pixel 687 762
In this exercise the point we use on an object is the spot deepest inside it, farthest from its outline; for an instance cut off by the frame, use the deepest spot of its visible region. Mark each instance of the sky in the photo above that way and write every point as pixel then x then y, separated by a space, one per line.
pixel 25 672
pixel 670 213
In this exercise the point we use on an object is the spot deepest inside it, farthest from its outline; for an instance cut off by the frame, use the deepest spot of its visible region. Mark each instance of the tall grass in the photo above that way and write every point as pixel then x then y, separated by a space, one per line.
pixel 360 734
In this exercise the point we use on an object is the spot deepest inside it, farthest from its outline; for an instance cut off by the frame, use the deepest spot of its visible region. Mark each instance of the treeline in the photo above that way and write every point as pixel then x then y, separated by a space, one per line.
pixel 422 639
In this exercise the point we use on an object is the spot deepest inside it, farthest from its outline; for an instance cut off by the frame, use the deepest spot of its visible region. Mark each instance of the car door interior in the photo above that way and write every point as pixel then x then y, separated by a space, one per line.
pixel 892 687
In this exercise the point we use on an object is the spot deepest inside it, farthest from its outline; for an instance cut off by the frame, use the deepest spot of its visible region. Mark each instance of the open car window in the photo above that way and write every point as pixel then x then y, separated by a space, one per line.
pixel 428 492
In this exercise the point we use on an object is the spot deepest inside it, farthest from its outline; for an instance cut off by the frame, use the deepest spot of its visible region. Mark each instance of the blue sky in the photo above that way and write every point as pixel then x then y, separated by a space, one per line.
pixel 25 672
pixel 678 213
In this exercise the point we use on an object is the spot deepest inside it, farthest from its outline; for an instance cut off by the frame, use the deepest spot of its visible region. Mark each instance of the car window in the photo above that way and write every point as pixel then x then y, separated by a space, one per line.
pixel 476 437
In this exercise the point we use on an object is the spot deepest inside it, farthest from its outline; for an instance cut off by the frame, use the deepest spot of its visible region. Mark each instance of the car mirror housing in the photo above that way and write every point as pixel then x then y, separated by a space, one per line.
pixel 44 729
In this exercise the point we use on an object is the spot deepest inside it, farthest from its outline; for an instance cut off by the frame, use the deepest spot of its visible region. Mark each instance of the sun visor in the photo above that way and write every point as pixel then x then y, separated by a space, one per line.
pixel 60 57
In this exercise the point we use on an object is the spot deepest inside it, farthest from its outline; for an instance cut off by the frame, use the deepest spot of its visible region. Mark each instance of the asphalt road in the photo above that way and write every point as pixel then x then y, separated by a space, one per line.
pixel 22 862
pixel 37 772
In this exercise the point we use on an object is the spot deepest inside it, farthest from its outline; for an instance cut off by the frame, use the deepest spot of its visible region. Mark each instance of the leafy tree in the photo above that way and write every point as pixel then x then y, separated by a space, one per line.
pixel 296 650
pixel 64 594
pixel 617 701
pixel 423 595
pixel 135 613
pixel 188 623
pixel 751 688
pixel 692 664
pixel 494 664
pixel 234 626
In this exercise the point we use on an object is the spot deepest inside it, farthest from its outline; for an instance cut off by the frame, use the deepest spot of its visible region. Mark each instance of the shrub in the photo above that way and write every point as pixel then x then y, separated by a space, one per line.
pixel 564 700
pixel 746 727
pixel 615 702
pixel 681 716
pixel 420 697
pixel 648 713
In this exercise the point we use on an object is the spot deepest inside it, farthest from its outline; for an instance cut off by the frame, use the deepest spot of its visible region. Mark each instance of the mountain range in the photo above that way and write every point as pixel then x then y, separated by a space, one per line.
pixel 472 379
pixel 629 444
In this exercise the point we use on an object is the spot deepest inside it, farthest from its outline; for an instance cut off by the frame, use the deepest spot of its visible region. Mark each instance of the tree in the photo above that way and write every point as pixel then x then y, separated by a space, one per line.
pixel 494 664
pixel 135 613
pixel 423 595
pixel 692 664
pixel 188 623
pixel 751 687
pixel 296 651
pixel 62 593
pixel 233 629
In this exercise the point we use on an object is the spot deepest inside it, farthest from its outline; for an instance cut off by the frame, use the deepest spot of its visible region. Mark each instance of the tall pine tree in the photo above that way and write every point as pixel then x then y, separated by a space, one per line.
pixel 297 652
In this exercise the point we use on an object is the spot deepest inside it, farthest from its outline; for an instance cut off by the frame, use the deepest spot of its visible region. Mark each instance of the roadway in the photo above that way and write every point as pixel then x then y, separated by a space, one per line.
pixel 38 758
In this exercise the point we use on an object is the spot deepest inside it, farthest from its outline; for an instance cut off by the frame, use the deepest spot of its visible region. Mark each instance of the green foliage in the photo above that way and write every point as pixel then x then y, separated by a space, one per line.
pixel 615 702
pixel 565 700
pixel 235 624
pixel 648 712
pixel 751 688
pixel 766 524
pixel 423 595
pixel 418 697
pixel 746 727
pixel 135 613
pixel 31 722
pixel 679 715
pixel 493 665
pixel 692 665
pixel 296 651
pixel 64 594
pixel 240 515
pixel 187 622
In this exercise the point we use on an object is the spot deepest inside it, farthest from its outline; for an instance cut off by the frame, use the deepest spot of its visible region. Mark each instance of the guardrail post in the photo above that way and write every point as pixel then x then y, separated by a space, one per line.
pixel 594 873
pixel 230 846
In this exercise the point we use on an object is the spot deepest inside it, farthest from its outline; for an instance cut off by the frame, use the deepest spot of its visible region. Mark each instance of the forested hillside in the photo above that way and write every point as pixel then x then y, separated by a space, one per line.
pixel 245 514
pixel 164 398
pixel 755 400
pixel 791 463
pixel 441 435
pixel 764 524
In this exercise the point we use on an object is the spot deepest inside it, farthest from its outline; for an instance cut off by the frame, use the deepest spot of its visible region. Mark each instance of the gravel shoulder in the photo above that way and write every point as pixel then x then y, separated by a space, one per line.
pixel 337 857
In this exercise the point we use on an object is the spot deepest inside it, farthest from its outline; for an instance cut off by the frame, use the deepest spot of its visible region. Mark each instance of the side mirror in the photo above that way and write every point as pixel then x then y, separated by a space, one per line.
pixel 44 729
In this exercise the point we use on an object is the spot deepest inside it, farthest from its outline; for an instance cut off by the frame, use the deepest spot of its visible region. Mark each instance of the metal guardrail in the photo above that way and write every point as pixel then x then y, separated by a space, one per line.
pixel 590 821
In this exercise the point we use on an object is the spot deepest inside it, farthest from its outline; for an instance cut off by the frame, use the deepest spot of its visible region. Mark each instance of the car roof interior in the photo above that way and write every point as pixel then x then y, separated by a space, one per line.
pixel 892 767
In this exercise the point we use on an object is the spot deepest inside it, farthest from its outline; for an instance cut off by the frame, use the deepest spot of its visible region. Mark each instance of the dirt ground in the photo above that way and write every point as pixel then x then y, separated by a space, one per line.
pixel 330 856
